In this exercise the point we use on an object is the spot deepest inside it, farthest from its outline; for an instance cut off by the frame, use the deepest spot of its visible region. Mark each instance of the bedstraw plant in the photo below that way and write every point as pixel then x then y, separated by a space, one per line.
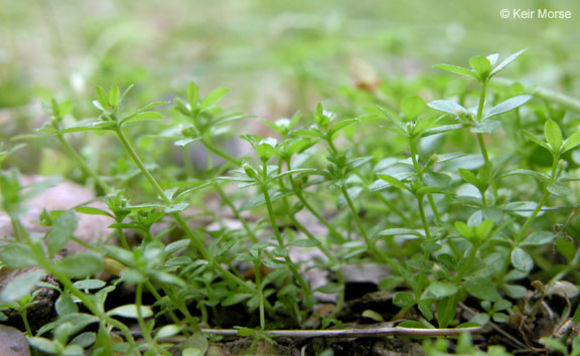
pixel 441 194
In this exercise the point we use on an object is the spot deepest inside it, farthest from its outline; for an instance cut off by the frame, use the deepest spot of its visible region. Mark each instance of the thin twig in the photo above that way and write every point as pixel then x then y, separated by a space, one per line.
pixel 349 333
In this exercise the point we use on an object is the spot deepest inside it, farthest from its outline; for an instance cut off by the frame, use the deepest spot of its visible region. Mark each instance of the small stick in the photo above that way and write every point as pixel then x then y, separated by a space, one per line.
pixel 349 333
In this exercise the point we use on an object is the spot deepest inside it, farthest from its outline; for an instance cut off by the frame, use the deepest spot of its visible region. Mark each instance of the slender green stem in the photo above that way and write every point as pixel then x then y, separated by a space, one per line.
pixel 393 208
pixel 24 318
pixel 159 190
pixel 260 292
pixel 413 146
pixel 468 262
pixel 483 199
pixel 176 215
pixel 222 154
pixel 481 103
pixel 532 217
pixel 434 208
pixel 483 149
pixel 237 214
pixel 137 159
pixel 140 320
pixel 316 214
pixel 81 162
pixel 47 265
pixel 158 298
pixel 545 196
pixel 331 258
pixel 480 140
pixel 423 217
pixel 122 237
pixel 274 225
pixel 573 265
pixel 19 232
pixel 371 247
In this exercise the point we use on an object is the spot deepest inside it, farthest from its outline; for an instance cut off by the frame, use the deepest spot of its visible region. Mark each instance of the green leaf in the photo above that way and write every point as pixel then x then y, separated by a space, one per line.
pixel 412 106
pixel 484 229
pixel 480 319
pixel 342 125
pixel 43 344
pixel 130 311
pixel 539 238
pixel 446 310
pixel 530 136
pixel 114 94
pixel 17 255
pixel 404 299
pixel 482 288
pixel 571 142
pixel 566 247
pixel 89 284
pixel 176 246
pixel 438 290
pixel 169 278
pixel 213 98
pixel 85 339
pixel 142 116
pixel 373 315
pixel 447 106
pixel 469 177
pixel 554 345
pixel 428 190
pixel 522 260
pixel 65 305
pixel 62 229
pixel 168 331
pixel 20 287
pixel 399 232
pixel 505 62
pixel 559 189
pixel 463 229
pixel 304 243
pixel 95 126
pixel 508 105
pixel 81 265
pixel 553 135
pixel 197 344
pixel 481 66
pixel 522 208
pixel 192 95
pixel 89 210
pixel 330 288
pixel 125 92
pixel 412 324
pixel 235 298
pixel 487 126
pixel 515 291
pixel 457 70
pixel 393 181
pixel 102 101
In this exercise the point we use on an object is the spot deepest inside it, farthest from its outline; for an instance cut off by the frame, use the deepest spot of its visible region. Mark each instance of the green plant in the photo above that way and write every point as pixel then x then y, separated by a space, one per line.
pixel 398 185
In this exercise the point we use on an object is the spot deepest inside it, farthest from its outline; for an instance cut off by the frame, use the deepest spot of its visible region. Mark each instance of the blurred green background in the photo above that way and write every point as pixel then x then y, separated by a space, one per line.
pixel 276 57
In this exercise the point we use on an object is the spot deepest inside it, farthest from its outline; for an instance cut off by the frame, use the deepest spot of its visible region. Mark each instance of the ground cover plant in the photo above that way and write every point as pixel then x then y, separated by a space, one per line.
pixel 464 197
